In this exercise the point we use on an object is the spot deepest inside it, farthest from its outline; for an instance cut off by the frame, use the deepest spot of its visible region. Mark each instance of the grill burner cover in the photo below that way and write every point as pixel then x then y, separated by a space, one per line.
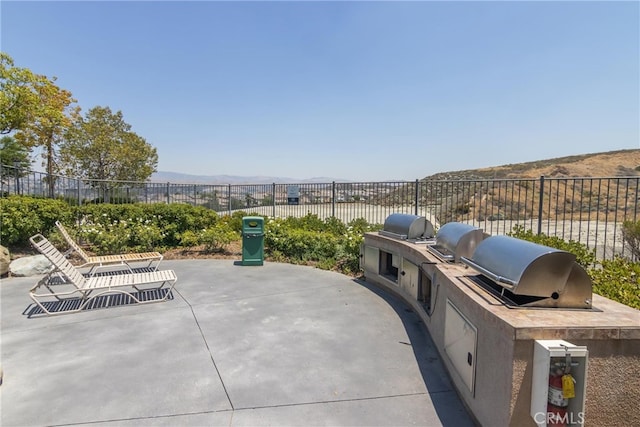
pixel 407 227
pixel 526 268
pixel 455 240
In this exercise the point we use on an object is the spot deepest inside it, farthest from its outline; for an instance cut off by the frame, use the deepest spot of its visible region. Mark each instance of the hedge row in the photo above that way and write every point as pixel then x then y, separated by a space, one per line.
pixel 121 228
pixel 329 243
pixel 106 227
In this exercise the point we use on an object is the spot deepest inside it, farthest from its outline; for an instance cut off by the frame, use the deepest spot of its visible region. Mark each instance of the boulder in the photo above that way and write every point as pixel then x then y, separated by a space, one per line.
pixel 30 266
pixel 5 260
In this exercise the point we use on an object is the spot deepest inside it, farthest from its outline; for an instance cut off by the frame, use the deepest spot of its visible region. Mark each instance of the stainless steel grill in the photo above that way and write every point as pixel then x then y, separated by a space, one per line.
pixel 407 227
pixel 528 274
pixel 455 240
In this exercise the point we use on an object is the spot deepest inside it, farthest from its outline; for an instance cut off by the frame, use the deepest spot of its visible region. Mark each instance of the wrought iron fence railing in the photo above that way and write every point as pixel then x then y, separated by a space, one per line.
pixel 587 210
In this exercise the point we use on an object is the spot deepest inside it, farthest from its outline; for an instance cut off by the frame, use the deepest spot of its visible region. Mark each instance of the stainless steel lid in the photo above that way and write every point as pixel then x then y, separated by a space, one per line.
pixel 405 226
pixel 526 268
pixel 455 240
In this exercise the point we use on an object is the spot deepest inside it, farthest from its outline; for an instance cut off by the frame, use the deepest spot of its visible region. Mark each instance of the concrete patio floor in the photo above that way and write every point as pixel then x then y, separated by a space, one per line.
pixel 236 346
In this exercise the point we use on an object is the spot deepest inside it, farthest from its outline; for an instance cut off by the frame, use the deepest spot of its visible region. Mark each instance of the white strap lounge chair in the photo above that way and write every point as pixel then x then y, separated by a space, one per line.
pixel 122 261
pixel 77 291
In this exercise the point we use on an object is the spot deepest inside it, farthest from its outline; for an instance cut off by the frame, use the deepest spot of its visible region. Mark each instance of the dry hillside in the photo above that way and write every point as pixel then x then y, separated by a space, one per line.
pixel 609 164
pixel 584 187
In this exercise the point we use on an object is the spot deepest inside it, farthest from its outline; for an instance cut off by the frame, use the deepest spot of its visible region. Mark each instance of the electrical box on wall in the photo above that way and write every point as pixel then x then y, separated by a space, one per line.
pixel 559 383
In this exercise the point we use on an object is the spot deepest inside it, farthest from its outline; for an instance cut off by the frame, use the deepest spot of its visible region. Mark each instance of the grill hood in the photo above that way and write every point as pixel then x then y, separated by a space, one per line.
pixel 407 227
pixel 455 240
pixel 530 269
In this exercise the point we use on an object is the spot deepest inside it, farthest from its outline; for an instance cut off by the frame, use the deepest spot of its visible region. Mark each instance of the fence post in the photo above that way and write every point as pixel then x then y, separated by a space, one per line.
pixel 229 199
pixel 416 198
pixel 333 199
pixel 540 203
pixel 168 184
pixel 17 174
pixel 273 198
pixel 78 184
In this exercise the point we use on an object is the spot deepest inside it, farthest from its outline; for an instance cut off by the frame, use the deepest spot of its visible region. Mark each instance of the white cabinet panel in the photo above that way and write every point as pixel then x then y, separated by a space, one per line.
pixel 460 337
pixel 410 278
pixel 371 259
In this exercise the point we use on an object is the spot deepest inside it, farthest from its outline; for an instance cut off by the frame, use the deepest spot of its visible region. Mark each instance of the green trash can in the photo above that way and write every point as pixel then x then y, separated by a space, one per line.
pixel 252 240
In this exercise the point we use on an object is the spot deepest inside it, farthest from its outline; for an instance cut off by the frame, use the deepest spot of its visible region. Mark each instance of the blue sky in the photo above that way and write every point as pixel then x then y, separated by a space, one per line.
pixel 348 90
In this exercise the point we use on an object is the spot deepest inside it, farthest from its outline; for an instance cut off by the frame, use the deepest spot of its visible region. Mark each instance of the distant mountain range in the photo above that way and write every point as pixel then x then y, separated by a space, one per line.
pixel 183 178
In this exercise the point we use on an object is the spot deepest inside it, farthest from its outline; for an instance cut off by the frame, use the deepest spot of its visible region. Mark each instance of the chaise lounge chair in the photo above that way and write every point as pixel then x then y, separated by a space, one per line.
pixel 110 261
pixel 77 291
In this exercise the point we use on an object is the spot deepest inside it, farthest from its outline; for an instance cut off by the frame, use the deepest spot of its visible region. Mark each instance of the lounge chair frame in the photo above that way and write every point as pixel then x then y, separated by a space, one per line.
pixel 70 284
pixel 109 262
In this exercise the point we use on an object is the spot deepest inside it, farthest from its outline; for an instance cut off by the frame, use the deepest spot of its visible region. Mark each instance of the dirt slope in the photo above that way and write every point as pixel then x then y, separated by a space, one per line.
pixel 608 164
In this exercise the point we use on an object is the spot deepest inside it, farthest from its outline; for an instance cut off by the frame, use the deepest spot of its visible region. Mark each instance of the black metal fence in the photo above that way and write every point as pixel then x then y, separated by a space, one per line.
pixel 587 210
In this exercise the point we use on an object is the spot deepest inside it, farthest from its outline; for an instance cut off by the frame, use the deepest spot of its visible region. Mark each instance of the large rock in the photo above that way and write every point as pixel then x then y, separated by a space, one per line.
pixel 5 260
pixel 30 266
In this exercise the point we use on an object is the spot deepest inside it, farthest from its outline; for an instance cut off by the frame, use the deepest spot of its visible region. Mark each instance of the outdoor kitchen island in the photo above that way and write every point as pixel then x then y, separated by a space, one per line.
pixel 498 354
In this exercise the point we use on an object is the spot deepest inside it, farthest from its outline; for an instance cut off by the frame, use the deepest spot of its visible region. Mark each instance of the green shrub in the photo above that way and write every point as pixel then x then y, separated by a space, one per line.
pixel 119 228
pixel 312 222
pixel 111 228
pixel 298 243
pixel 214 238
pixel 330 243
pixel 24 216
pixel 631 237
pixel 105 238
pixel 360 225
pixel 107 213
pixel 618 279
pixel 176 218
pixel 327 264
pixel 146 236
pixel 234 221
pixel 348 257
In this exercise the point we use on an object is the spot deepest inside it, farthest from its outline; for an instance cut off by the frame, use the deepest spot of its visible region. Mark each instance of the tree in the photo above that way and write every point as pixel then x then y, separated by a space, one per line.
pixel 19 100
pixel 47 128
pixel 12 153
pixel 101 146
pixel 212 201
